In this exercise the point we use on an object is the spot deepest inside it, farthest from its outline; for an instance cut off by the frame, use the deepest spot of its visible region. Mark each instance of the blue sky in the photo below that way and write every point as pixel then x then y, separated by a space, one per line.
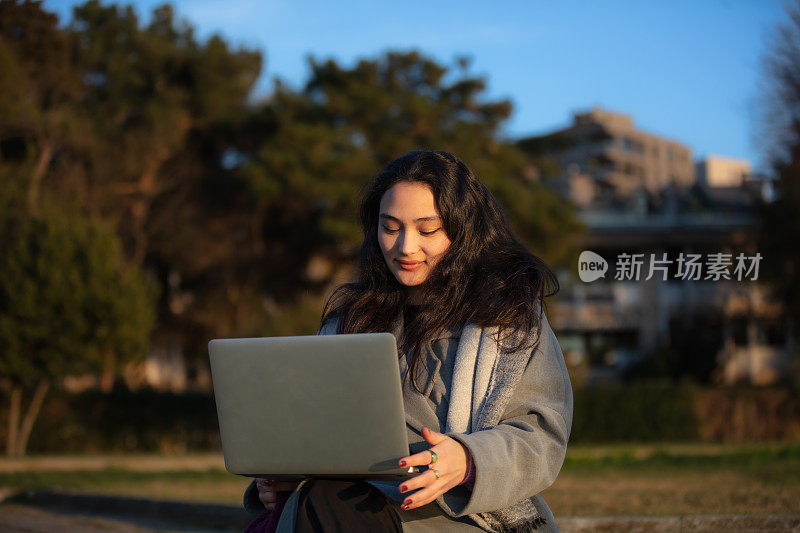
pixel 686 70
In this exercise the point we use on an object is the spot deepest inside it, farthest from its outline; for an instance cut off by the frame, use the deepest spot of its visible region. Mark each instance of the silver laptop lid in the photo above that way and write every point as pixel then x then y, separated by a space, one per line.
pixel 319 405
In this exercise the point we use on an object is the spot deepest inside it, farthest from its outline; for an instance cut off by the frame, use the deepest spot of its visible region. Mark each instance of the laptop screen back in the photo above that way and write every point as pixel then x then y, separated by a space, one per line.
pixel 320 405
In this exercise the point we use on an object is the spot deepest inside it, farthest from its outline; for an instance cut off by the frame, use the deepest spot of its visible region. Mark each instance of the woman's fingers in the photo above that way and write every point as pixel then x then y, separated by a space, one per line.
pixel 268 498
pixel 419 459
pixel 433 437
pixel 422 497
pixel 424 457
pixel 268 489
pixel 418 481
pixel 430 488
pixel 451 465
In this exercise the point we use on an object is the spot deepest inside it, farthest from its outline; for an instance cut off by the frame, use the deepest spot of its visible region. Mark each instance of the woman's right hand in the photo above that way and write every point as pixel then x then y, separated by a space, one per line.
pixel 268 489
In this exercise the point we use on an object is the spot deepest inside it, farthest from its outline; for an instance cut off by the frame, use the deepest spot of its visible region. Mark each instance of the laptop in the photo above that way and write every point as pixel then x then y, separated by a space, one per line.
pixel 323 406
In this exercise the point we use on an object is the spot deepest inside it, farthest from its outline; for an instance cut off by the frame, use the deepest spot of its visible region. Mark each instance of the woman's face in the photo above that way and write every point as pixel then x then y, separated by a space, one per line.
pixel 410 233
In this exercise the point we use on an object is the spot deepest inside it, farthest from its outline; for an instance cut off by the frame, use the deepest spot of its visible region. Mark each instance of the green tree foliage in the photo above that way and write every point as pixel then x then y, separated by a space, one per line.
pixel 151 112
pixel 148 90
pixel 39 96
pixel 166 108
pixel 781 225
pixel 69 303
pixel 405 100
pixel 238 208
pixel 67 306
pixel 284 183
pixel 349 122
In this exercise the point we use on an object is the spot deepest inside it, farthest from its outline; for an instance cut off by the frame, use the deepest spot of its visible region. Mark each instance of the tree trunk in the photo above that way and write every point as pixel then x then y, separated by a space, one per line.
pixel 109 375
pixel 42 162
pixel 139 210
pixel 147 190
pixel 13 420
pixel 30 417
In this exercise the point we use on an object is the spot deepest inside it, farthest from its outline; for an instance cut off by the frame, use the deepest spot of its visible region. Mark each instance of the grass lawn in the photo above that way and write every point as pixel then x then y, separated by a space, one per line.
pixel 670 480
pixel 643 480
pixel 216 486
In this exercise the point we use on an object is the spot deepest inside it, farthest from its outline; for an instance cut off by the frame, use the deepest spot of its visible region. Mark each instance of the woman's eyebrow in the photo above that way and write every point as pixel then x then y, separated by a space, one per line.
pixel 421 219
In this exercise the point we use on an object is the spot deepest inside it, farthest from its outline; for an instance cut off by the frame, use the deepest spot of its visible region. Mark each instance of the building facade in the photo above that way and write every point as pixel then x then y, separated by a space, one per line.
pixel 642 196
pixel 719 171
pixel 604 162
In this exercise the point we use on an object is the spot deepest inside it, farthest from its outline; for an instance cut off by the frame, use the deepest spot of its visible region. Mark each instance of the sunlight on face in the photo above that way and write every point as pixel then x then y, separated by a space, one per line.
pixel 410 233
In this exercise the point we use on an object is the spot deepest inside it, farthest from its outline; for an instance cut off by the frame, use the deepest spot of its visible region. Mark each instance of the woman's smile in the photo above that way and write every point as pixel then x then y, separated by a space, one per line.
pixel 409 265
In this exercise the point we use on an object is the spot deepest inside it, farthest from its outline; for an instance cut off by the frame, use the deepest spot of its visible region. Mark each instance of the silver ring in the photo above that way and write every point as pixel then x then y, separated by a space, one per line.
pixel 434 457
pixel 436 473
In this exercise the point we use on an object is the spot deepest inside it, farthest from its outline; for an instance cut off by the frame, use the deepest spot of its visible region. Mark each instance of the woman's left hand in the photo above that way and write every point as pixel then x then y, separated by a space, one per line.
pixel 451 464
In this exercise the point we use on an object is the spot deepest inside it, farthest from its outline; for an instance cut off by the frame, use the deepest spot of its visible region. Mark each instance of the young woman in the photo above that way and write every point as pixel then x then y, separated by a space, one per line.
pixel 487 396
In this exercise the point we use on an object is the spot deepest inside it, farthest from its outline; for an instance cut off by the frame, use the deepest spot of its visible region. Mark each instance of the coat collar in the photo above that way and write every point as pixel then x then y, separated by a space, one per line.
pixel 431 363
pixel 452 332
pixel 418 411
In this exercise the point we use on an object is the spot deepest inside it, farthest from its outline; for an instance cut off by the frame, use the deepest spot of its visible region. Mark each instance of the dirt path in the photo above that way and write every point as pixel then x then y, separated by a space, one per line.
pixel 20 518
pixel 16 518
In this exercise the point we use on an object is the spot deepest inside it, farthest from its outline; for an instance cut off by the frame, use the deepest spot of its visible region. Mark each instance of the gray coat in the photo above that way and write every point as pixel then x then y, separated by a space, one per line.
pixel 516 457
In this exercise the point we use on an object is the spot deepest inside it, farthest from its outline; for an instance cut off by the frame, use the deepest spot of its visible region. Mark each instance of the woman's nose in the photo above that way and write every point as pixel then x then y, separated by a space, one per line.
pixel 408 243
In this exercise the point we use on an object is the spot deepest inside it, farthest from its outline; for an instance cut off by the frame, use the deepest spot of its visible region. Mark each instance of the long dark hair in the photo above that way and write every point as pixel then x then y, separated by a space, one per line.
pixel 486 276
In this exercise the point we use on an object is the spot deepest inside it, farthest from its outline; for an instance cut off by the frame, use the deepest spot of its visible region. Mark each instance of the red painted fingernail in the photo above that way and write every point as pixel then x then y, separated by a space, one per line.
pixel 403 488
pixel 404 507
pixel 407 503
pixel 402 463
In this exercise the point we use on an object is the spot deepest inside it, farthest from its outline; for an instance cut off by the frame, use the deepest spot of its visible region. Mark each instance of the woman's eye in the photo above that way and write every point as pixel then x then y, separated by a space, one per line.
pixel 431 232
pixel 390 230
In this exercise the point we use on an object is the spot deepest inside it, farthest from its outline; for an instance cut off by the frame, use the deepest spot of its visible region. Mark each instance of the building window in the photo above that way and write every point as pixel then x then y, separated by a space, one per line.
pixel 626 144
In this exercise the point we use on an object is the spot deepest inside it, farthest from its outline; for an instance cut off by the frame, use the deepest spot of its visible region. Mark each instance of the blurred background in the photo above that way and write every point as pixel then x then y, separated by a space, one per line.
pixel 173 173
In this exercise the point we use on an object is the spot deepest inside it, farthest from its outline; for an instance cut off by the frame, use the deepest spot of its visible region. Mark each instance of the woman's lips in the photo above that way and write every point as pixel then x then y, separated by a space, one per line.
pixel 409 265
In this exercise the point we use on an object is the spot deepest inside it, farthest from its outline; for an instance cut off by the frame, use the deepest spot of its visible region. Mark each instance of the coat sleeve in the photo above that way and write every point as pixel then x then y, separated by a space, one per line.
pixel 522 455
pixel 251 502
